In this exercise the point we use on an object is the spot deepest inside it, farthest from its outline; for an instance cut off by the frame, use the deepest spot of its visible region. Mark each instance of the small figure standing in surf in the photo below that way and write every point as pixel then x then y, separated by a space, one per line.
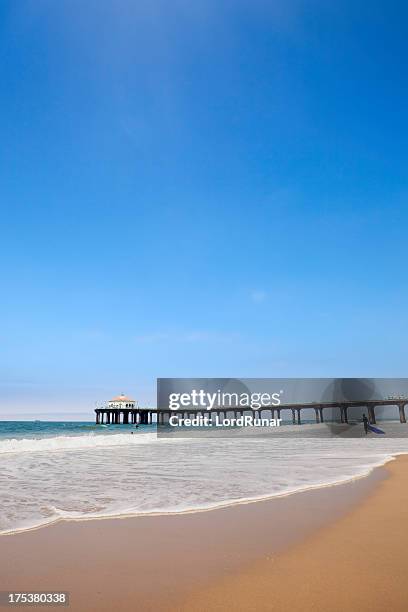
pixel 365 422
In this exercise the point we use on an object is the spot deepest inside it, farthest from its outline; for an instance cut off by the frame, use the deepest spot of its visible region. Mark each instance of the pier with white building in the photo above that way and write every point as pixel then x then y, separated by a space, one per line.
pixel 124 410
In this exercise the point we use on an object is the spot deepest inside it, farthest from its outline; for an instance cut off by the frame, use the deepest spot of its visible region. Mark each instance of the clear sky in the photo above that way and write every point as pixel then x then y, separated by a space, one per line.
pixel 207 188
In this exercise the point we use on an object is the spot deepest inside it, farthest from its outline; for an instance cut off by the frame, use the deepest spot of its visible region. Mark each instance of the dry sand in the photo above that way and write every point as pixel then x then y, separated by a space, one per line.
pixel 336 548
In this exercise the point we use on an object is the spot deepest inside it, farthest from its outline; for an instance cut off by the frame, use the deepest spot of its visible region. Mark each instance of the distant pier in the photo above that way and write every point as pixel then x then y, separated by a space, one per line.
pixel 130 414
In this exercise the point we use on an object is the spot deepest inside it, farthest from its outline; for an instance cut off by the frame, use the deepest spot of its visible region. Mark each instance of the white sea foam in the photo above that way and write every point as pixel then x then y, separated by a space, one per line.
pixel 60 443
pixel 95 476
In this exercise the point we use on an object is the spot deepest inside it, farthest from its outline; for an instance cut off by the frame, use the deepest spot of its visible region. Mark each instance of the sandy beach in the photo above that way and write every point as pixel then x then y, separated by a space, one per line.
pixel 203 387
pixel 334 548
pixel 358 562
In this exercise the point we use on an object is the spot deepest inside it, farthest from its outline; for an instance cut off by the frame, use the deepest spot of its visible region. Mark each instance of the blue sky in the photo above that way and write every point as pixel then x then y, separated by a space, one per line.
pixel 199 189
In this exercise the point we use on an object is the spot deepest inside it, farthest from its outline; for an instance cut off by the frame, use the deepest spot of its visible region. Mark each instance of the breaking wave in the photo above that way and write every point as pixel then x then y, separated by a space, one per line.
pixel 64 443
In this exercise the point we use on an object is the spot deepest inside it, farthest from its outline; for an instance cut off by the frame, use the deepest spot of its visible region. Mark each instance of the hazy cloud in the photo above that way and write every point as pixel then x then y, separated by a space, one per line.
pixel 192 336
pixel 258 296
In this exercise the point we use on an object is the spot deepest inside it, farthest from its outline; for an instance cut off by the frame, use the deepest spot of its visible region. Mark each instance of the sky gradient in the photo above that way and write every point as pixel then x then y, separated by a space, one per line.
pixel 199 189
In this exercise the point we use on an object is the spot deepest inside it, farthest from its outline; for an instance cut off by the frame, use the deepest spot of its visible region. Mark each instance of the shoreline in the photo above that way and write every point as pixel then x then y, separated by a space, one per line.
pixel 158 560
pixel 358 562
pixel 220 506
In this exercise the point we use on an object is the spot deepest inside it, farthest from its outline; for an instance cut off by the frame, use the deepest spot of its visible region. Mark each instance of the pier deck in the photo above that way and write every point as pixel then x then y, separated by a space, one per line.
pixel 144 416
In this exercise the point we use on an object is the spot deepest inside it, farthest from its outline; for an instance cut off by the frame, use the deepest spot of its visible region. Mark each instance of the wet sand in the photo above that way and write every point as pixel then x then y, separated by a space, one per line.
pixel 198 561
pixel 358 563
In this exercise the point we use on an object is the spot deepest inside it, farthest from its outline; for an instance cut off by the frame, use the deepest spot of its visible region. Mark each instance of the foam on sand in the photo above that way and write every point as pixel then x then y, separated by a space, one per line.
pixel 95 476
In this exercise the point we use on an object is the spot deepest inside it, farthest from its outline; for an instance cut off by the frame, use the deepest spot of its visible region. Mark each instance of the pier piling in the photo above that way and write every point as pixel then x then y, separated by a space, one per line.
pixel 371 414
pixel 145 416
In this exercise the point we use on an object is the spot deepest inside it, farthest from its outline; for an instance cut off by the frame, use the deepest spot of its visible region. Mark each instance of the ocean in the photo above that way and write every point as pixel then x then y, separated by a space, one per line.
pixel 78 470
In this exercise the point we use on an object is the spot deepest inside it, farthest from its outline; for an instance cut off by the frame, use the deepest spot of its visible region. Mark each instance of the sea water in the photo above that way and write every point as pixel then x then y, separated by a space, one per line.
pixel 53 471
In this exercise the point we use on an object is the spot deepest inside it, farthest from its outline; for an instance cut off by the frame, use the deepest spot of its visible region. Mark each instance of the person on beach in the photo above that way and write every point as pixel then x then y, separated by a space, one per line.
pixel 365 422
